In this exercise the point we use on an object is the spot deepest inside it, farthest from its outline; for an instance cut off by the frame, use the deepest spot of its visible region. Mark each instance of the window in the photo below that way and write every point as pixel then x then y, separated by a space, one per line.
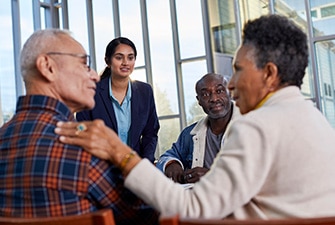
pixel 328 11
pixel 314 13
pixel 7 78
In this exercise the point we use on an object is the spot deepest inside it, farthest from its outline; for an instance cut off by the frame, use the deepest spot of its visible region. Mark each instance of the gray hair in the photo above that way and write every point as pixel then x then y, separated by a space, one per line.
pixel 39 42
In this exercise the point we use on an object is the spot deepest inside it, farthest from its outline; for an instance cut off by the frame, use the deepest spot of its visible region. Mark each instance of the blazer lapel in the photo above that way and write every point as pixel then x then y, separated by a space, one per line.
pixel 107 103
pixel 135 113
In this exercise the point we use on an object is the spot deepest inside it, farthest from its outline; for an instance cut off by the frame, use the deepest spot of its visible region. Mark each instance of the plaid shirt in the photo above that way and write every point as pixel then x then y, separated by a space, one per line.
pixel 39 176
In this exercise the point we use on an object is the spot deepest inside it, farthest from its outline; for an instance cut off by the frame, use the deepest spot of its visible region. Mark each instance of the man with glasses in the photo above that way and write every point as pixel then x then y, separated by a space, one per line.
pixel 39 176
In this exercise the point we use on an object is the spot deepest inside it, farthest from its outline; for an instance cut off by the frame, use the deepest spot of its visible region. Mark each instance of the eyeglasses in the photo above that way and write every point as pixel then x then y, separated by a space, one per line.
pixel 83 56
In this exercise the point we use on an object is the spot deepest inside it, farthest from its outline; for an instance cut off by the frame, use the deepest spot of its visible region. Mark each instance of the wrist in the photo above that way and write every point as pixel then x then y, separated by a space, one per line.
pixel 130 165
pixel 170 162
pixel 127 161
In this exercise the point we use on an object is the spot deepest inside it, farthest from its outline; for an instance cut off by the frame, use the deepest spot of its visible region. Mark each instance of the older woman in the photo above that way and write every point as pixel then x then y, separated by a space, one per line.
pixel 278 158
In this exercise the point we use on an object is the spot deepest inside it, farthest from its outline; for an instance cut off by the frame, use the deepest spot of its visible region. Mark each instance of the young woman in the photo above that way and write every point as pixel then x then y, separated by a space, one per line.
pixel 125 105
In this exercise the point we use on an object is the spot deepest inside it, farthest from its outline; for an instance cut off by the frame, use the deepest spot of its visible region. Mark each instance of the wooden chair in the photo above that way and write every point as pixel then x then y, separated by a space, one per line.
pixel 101 217
pixel 175 220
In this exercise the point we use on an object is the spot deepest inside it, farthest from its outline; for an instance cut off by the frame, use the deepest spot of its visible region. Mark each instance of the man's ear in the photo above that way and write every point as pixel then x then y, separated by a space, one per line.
pixel 46 66
pixel 271 77
pixel 198 100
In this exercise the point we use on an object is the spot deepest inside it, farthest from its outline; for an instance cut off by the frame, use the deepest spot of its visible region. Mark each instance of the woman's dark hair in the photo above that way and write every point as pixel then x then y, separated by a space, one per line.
pixel 278 40
pixel 110 50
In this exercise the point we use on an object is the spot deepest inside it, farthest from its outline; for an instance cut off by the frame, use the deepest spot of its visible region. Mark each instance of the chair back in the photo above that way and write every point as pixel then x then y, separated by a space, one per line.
pixel 101 217
pixel 175 220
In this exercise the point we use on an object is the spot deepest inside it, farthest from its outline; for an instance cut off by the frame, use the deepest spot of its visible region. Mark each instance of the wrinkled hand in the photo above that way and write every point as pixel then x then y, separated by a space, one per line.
pixel 95 137
pixel 175 171
pixel 193 175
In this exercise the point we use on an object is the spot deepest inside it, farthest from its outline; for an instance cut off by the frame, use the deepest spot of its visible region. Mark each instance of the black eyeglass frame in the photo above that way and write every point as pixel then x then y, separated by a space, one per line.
pixel 83 56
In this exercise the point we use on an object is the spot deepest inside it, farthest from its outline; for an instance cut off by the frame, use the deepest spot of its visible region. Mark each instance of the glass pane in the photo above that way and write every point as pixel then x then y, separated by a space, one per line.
pixel 223 26
pixel 164 105
pixel 192 72
pixel 325 54
pixel 323 17
pixel 131 26
pixel 43 18
pixel 139 74
pixel 7 74
pixel 307 87
pixel 223 64
pixel 190 28
pixel 252 9
pixel 168 134
pixel 26 20
pixel 295 10
pixel 223 35
pixel 103 30
pixel 163 67
pixel 78 22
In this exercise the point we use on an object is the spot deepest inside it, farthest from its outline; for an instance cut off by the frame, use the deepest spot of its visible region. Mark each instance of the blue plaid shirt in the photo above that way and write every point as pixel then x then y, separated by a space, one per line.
pixel 39 176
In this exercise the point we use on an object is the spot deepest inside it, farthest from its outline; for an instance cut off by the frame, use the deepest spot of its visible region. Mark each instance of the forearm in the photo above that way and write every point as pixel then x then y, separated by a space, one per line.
pixel 123 157
pixel 171 161
pixel 151 187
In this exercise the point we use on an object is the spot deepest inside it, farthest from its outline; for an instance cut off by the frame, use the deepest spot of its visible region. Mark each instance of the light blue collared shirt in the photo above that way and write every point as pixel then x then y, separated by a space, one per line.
pixel 122 113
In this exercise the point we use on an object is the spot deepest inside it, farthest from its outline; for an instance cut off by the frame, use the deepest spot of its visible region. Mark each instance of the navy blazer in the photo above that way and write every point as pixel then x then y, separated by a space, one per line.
pixel 144 121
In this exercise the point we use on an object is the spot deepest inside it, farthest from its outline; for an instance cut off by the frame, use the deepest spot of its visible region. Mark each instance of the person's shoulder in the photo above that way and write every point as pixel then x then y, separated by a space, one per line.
pixel 190 127
pixel 104 82
pixel 140 84
pixel 141 88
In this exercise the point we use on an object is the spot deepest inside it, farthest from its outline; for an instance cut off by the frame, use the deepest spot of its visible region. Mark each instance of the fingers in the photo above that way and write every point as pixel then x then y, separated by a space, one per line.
pixel 81 127
pixel 93 136
pixel 73 133
pixel 73 141
pixel 172 176
pixel 74 129
pixel 70 129
pixel 68 125
pixel 189 177
pixel 175 176
pixel 193 175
